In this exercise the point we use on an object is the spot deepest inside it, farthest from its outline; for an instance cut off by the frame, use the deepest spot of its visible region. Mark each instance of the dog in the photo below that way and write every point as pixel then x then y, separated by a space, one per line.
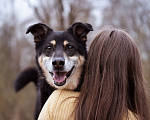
pixel 60 58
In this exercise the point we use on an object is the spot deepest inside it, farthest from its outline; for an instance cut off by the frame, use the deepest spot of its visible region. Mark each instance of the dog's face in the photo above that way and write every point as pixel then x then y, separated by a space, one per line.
pixel 61 54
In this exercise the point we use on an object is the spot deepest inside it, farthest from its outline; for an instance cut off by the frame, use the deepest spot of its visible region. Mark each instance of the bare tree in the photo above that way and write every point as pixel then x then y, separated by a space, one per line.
pixel 59 14
pixel 134 17
pixel 12 46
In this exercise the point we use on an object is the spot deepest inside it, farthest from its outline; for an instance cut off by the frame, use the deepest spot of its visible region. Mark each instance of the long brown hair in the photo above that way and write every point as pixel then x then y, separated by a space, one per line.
pixel 113 82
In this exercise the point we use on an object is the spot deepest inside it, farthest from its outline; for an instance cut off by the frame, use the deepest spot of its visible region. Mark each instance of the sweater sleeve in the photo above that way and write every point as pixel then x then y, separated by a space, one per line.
pixel 59 106
pixel 130 116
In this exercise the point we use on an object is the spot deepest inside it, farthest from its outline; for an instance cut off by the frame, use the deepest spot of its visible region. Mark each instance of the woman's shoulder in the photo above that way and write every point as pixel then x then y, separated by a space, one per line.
pixel 64 94
pixel 130 115
pixel 59 100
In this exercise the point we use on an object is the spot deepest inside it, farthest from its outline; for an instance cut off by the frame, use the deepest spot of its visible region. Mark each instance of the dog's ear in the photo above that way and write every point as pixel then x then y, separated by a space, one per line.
pixel 38 31
pixel 80 30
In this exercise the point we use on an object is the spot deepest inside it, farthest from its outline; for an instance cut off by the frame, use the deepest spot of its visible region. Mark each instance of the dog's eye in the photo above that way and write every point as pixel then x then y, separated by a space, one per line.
pixel 70 47
pixel 48 48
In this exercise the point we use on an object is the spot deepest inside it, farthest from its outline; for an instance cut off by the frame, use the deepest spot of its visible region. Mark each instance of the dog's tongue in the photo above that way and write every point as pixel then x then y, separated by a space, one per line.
pixel 59 77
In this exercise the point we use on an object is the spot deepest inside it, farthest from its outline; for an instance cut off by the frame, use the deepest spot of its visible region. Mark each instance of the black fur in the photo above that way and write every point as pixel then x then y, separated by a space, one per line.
pixel 42 35
pixel 26 76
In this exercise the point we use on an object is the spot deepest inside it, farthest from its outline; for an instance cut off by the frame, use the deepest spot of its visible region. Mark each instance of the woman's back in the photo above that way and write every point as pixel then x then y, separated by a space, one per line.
pixel 113 83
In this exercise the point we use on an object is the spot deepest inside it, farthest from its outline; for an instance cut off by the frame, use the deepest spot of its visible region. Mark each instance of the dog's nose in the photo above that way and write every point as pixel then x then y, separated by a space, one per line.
pixel 58 62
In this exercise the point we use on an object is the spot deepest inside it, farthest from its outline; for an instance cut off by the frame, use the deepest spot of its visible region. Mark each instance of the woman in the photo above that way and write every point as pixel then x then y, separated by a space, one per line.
pixel 113 87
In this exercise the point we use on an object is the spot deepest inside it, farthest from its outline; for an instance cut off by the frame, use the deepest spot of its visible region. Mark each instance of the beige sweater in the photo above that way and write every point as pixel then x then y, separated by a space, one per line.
pixel 61 104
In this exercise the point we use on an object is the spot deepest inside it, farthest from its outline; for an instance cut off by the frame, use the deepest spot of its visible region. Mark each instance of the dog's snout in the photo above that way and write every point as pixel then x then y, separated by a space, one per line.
pixel 58 62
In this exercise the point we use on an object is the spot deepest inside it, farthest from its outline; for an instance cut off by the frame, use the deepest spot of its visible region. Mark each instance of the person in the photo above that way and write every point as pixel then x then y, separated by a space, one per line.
pixel 113 87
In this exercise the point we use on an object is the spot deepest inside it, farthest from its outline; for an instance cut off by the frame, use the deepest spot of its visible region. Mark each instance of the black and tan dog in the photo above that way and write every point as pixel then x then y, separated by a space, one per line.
pixel 60 57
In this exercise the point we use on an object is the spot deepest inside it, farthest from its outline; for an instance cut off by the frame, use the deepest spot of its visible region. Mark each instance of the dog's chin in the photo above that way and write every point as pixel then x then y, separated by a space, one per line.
pixel 60 83
pixel 60 77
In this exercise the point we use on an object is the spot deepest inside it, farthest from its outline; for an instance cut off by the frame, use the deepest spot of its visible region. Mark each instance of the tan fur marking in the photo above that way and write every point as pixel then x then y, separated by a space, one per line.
pixel 49 79
pixel 74 79
pixel 53 42
pixel 65 43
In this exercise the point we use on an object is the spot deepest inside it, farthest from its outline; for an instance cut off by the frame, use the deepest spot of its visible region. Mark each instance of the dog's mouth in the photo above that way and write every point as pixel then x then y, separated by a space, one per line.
pixel 60 77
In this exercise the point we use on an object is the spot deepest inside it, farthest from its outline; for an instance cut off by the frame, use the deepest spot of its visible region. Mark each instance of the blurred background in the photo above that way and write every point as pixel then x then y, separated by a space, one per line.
pixel 17 49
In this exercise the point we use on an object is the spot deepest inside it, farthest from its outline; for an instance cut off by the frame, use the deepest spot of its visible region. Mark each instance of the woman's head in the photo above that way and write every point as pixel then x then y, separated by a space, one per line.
pixel 113 77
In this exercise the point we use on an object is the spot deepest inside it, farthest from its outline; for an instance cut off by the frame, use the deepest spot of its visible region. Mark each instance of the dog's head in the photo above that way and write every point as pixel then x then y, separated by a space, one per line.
pixel 61 54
